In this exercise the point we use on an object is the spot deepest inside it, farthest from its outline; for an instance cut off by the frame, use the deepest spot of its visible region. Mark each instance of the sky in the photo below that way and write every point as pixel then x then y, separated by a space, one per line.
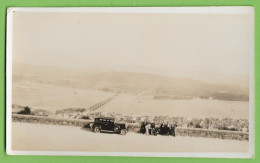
pixel 200 46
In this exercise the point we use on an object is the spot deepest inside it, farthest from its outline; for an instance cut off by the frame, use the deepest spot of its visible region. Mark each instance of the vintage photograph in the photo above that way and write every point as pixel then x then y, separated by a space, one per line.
pixel 159 81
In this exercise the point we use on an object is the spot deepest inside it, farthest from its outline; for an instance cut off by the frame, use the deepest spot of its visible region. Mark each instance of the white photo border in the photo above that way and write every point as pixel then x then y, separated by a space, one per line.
pixel 148 10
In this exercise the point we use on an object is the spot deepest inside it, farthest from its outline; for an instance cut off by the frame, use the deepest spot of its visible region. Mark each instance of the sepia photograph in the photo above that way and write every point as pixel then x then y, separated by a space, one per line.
pixel 127 81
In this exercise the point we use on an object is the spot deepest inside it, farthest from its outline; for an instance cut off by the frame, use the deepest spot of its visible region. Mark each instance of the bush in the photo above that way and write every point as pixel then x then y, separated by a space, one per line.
pixel 26 111
pixel 85 117
pixel 198 126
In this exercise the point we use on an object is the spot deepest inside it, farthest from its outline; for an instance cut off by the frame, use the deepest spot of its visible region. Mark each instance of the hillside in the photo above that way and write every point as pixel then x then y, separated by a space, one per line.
pixel 161 87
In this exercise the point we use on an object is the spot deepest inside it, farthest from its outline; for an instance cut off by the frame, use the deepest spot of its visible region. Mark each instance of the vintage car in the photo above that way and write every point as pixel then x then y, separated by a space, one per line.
pixel 108 124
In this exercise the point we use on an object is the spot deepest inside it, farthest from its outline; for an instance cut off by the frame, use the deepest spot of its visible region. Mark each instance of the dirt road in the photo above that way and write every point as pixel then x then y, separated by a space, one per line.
pixel 28 137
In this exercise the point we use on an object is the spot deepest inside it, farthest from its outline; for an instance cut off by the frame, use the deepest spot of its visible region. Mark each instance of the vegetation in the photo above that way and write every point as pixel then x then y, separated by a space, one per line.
pixel 26 111
pixel 205 123
pixel 70 110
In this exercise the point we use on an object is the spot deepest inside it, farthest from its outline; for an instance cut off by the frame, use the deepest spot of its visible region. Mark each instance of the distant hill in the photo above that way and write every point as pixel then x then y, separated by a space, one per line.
pixel 161 87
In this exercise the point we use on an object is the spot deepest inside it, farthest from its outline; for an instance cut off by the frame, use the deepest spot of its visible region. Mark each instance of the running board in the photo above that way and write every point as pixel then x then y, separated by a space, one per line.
pixel 108 130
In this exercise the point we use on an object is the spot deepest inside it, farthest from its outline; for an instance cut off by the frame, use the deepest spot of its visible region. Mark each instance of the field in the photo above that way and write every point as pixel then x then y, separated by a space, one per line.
pixel 37 137
pixel 53 97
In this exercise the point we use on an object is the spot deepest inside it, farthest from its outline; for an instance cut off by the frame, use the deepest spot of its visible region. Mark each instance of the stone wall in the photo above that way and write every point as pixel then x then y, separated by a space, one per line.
pixel 48 120
pixel 222 134
pixel 180 131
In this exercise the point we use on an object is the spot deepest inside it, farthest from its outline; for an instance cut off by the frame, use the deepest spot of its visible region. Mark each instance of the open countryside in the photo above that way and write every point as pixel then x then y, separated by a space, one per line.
pixel 49 97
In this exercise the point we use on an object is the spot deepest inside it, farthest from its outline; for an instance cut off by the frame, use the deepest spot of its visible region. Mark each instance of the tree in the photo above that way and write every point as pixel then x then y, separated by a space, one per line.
pixel 27 111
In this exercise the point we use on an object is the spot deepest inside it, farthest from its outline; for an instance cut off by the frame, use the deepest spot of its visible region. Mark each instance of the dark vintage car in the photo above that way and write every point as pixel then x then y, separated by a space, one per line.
pixel 108 124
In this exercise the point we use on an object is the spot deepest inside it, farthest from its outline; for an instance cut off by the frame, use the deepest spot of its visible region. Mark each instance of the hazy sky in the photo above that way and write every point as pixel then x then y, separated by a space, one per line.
pixel 187 45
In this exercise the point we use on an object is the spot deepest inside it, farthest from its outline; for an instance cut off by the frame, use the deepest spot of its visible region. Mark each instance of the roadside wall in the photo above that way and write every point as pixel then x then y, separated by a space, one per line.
pixel 48 120
pixel 222 134
pixel 193 132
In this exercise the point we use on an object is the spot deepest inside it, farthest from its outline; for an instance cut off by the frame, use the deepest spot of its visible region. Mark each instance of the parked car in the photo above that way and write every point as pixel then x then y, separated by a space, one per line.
pixel 108 124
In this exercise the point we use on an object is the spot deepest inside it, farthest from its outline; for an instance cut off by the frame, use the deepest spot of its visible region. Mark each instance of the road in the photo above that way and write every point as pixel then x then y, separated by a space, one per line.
pixel 31 137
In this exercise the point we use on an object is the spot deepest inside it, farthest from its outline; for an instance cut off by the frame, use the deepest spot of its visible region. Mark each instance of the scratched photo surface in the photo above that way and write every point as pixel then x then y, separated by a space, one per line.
pixel 131 82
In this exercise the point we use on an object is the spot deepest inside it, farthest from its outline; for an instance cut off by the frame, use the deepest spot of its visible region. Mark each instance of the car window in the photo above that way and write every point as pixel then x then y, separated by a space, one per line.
pixel 104 120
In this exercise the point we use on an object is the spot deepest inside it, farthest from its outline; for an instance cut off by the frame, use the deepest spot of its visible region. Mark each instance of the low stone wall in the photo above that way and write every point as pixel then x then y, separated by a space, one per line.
pixel 180 131
pixel 222 134
pixel 48 120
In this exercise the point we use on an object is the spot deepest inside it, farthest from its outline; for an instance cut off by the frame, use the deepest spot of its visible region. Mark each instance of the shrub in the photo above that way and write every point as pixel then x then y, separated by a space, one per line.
pixel 85 117
pixel 26 111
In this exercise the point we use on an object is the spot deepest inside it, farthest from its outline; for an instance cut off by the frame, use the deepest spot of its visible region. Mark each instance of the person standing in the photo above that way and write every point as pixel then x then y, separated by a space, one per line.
pixel 147 128
pixel 142 129
pixel 161 129
pixel 174 129
pixel 166 128
pixel 171 129
pixel 153 129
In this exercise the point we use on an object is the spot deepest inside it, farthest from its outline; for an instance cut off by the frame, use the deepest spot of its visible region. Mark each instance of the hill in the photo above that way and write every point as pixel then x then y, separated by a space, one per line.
pixel 161 87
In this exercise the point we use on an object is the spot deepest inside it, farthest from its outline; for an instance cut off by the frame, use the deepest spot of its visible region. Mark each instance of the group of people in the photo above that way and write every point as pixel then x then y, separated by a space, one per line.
pixel 163 129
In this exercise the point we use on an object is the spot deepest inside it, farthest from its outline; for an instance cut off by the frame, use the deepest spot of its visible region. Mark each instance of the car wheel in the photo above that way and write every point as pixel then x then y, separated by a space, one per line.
pixel 123 132
pixel 97 130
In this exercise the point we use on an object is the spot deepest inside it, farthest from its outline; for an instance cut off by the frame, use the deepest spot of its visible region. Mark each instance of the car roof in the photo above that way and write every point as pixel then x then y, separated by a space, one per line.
pixel 105 118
